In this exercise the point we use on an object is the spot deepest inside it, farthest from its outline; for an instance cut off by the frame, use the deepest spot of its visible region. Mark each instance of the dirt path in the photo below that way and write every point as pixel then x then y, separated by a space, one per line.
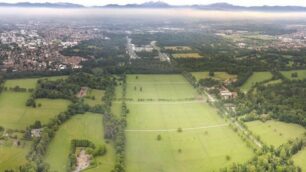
pixel 159 83
pixel 234 122
pixel 245 132
pixel 161 102
pixel 175 129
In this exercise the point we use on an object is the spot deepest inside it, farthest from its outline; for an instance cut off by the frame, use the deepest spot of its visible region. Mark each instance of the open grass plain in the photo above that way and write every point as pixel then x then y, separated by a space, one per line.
pixel 217 75
pixel 255 78
pixel 178 134
pixel 14 114
pixel 29 82
pixel 11 156
pixel 300 159
pixel 87 126
pixel 274 132
pixel 187 55
pixel 94 97
pixel 301 74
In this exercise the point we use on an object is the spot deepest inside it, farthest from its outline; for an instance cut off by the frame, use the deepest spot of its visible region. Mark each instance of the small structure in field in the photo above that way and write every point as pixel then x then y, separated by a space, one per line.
pixel 82 92
pixel 83 161
pixel 36 132
pixel 226 94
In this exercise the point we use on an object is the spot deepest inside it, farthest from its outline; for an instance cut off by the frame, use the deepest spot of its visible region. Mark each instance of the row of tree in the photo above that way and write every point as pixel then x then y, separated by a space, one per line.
pixel 272 159
pixel 114 127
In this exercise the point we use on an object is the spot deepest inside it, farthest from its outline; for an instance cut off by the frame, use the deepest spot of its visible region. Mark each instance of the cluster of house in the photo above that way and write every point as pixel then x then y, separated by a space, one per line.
pixel 227 94
pixel 26 50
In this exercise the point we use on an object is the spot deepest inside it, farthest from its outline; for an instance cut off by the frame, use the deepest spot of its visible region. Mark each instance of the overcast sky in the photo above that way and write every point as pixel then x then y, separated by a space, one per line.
pixel 176 2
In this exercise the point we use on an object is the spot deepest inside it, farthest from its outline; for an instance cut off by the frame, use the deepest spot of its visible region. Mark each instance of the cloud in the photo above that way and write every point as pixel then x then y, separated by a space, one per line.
pixel 177 2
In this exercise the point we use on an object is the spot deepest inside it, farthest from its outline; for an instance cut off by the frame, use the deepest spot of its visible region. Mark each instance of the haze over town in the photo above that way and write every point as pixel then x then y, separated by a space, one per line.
pixel 184 86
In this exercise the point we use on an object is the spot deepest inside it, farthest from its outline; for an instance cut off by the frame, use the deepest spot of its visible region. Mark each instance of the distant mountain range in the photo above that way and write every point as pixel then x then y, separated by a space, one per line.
pixel 159 4
pixel 41 5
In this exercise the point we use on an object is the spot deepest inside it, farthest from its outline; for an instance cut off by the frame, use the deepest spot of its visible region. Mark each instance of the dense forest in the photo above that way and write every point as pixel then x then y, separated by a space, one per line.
pixel 283 101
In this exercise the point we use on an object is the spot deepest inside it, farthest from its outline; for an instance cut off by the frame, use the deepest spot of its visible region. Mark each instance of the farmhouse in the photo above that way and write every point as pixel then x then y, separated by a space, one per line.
pixel 226 94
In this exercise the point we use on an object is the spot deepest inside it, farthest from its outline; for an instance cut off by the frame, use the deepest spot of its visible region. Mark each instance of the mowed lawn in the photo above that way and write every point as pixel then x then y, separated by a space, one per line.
pixel 159 87
pixel 300 159
pixel 97 94
pixel 217 75
pixel 87 126
pixel 255 78
pixel 301 74
pixel 12 157
pixel 203 144
pixel 274 132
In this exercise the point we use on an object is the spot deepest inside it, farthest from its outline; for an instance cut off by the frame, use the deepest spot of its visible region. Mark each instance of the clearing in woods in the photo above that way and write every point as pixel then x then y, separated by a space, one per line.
pixel 217 75
pixel 88 126
pixel 255 78
pixel 300 159
pixel 187 55
pixel 301 74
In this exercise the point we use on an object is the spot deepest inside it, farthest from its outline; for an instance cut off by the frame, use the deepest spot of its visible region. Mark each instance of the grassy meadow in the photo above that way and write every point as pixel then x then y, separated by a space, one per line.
pixel 187 55
pixel 29 82
pixel 14 114
pixel 274 132
pixel 94 97
pixel 12 157
pixel 159 87
pixel 204 142
pixel 301 74
pixel 255 78
pixel 300 159
pixel 87 126
pixel 218 75
pixel 178 48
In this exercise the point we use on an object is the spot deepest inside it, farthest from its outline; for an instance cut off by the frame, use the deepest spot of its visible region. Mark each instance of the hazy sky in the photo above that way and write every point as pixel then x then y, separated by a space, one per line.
pixel 176 2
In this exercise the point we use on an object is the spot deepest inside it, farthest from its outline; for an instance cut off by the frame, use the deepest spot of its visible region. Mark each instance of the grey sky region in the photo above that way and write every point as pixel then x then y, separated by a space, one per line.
pixel 174 2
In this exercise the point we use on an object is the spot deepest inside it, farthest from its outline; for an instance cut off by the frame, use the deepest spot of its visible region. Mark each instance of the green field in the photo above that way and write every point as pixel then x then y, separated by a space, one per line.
pixel 301 74
pixel 203 144
pixel 88 126
pixel 275 132
pixel 14 114
pixel 97 94
pixel 187 55
pixel 30 82
pixel 218 75
pixel 159 87
pixel 255 78
pixel 12 157
pixel 273 82
pixel 300 159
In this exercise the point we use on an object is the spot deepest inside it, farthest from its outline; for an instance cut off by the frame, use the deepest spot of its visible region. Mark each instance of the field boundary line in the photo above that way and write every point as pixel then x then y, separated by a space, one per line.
pixel 163 102
pixel 162 83
pixel 175 130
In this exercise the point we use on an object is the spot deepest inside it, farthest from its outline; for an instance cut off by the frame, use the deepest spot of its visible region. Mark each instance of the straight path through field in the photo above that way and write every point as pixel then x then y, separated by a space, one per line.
pixel 204 142
pixel 162 102
pixel 175 129
pixel 161 83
